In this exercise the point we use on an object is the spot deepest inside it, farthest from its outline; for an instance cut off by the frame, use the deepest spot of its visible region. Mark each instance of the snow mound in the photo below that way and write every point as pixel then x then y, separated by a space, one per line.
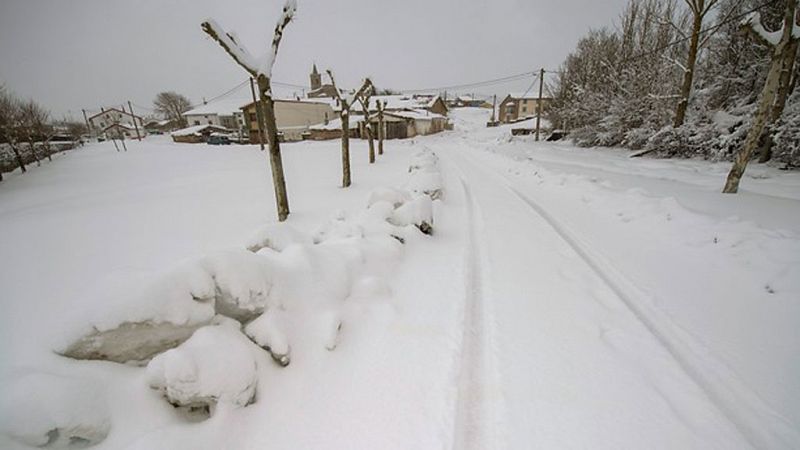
pixel 215 366
pixel 418 212
pixel 276 236
pixel 425 161
pixel 51 411
pixel 232 283
pixel 243 282
pixel 266 331
pixel 395 197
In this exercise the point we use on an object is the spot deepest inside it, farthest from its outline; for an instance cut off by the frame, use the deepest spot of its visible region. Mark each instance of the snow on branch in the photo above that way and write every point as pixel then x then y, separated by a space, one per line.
pixel 753 22
pixel 289 10
pixel 230 43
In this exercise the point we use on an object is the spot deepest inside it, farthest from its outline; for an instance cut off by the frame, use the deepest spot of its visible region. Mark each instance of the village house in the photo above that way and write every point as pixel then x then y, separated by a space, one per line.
pixel 196 134
pixel 427 102
pixel 293 117
pixel 223 113
pixel 155 126
pixel 117 121
pixel 517 107
pixel 122 131
pixel 403 124
pixel 333 129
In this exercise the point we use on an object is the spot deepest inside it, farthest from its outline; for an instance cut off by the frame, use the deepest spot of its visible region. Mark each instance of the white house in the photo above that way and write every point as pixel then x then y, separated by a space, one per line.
pixel 225 113
pixel 118 120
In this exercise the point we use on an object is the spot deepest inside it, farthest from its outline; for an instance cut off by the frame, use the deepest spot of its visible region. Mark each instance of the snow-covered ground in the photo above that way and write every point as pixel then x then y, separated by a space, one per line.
pixel 568 298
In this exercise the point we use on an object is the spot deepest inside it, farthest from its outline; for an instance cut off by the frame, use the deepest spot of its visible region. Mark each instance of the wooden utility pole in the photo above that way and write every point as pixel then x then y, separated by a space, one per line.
pixel 133 116
pixel 259 115
pixel 88 127
pixel 539 103
pixel 494 107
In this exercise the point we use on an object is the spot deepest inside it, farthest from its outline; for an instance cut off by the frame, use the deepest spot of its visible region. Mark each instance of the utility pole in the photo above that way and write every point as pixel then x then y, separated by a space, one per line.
pixel 494 107
pixel 133 116
pixel 88 127
pixel 539 103
pixel 258 116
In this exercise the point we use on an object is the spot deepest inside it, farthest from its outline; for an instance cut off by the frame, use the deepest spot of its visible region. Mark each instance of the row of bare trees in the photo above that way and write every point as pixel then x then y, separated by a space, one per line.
pixel 261 71
pixel 26 132
pixel 658 83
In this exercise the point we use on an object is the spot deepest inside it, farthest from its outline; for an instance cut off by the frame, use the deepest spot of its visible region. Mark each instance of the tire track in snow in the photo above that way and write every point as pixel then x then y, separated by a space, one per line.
pixel 473 415
pixel 754 419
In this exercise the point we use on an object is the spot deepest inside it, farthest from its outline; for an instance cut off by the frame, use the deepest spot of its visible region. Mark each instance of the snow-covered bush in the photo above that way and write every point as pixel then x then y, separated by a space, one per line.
pixel 786 148
pixel 276 236
pixel 215 366
pixel 52 411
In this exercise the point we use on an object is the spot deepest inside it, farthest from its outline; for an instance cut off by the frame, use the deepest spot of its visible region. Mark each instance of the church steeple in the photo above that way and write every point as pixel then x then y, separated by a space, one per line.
pixel 316 78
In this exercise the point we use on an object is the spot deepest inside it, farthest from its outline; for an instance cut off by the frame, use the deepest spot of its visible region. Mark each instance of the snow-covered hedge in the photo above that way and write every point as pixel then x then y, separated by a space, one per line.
pixel 203 325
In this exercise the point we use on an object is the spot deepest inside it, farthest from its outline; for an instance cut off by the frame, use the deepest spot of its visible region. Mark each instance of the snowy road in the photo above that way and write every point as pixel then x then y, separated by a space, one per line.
pixel 574 343
pixel 564 338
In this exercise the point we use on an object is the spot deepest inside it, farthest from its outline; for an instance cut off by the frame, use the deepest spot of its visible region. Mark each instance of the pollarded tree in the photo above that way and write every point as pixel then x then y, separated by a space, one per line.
pixel 344 116
pixel 364 100
pixel 261 71
pixel 380 106
pixel 171 106
pixel 784 43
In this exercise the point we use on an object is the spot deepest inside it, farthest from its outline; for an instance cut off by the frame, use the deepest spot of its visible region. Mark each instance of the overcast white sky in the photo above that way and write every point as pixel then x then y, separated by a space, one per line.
pixel 78 54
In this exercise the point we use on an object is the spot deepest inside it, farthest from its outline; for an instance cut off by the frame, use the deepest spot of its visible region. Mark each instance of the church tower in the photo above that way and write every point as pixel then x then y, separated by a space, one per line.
pixel 316 79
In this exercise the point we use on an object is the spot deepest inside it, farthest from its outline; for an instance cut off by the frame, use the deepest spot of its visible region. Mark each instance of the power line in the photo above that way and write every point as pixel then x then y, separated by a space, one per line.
pixel 501 80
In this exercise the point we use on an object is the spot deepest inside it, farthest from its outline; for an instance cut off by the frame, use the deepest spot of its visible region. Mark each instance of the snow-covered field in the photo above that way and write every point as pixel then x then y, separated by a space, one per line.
pixel 568 298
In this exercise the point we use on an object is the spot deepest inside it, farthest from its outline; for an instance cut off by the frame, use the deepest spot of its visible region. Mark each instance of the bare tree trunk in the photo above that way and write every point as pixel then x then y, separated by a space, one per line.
pixel 32 148
pixel 242 57
pixel 275 159
pixel 368 130
pixel 688 74
pixel 18 156
pixel 380 128
pixel 784 88
pixel 768 94
pixel 345 147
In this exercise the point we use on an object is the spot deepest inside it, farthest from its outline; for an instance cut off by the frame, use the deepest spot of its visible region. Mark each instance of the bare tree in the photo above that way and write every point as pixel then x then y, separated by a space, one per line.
pixel 768 95
pixel 364 100
pixel 27 111
pixel 344 116
pixel 380 106
pixel 262 72
pixel 786 81
pixel 699 9
pixel 37 128
pixel 10 124
pixel 171 106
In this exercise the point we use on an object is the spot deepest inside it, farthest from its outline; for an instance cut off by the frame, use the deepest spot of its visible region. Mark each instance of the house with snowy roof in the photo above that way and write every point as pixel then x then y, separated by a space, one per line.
pixel 117 121
pixel 224 113
pixel 520 106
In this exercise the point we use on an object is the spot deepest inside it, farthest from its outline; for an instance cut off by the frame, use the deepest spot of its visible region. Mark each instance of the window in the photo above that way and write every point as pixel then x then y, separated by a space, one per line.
pixel 524 108
pixel 253 117
pixel 197 122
